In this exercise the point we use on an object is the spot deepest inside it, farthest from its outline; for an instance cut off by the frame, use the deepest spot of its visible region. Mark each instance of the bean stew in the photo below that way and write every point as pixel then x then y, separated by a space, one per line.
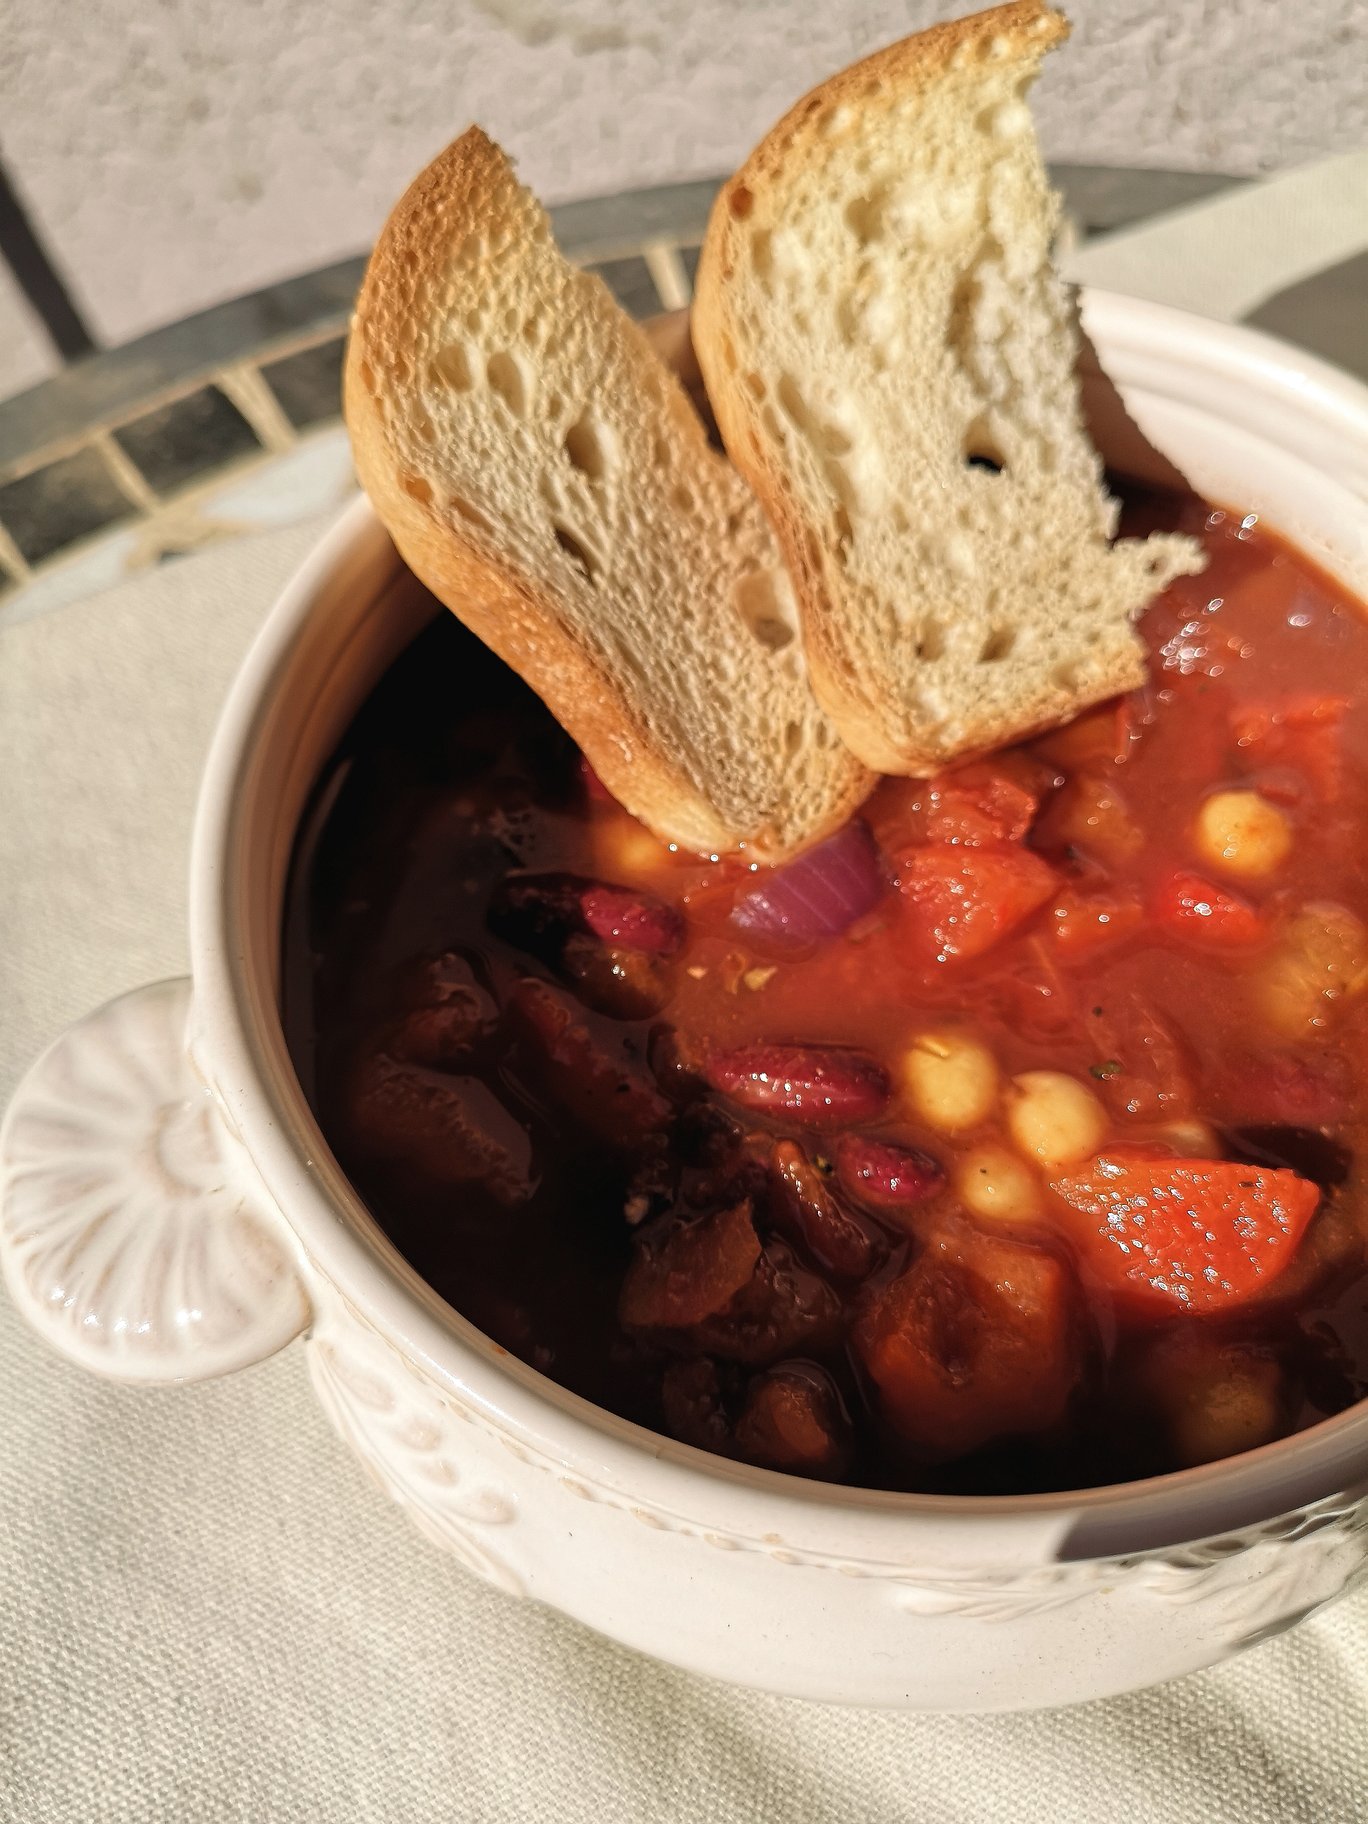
pixel 1011 1140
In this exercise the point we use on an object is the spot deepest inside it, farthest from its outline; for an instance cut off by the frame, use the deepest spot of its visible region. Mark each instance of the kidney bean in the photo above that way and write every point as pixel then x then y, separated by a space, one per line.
pixel 793 1420
pixel 887 1178
pixel 538 912
pixel 821 1086
pixel 449 1015
pixel 451 1129
pixel 785 1309
pixel 691 1396
pixel 610 1096
pixel 630 919
pixel 802 1204
pixel 624 984
pixel 685 1272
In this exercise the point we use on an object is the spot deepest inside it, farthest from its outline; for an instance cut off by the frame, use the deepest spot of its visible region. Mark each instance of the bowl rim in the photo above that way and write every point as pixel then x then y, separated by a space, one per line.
pixel 240 1033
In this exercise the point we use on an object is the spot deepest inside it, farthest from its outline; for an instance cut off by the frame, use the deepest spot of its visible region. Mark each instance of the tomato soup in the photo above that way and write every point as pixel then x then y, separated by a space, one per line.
pixel 1011 1140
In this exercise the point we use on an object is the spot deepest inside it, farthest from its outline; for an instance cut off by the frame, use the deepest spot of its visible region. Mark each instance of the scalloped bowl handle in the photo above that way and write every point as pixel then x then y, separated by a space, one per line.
pixel 135 1235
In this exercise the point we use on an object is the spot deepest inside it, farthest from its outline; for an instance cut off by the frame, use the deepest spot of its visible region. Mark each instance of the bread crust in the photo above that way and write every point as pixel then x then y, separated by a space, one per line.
pixel 453 203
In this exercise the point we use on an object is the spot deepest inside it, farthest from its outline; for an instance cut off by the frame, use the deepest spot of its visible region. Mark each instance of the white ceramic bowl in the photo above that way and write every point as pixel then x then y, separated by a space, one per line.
pixel 171 1211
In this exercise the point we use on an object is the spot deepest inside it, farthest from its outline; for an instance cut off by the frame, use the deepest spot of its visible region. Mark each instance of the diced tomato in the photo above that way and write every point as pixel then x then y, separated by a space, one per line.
pixel 977 804
pixel 975 1341
pixel 1304 733
pixel 960 902
pixel 1143 1067
pixel 1089 816
pixel 1286 1089
pixel 1198 1234
pixel 1099 735
pixel 1083 921
pixel 1194 908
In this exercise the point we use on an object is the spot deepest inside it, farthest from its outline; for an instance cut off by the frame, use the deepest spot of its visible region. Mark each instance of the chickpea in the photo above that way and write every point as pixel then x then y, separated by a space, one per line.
pixel 1225 1406
pixel 1053 1118
pixel 622 846
pixel 1243 834
pixel 1211 1397
pixel 993 1182
pixel 1192 1138
pixel 951 1079
pixel 1322 959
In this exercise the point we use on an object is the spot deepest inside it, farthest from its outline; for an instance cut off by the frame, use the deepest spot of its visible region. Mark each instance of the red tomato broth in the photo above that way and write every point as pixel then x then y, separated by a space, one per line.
pixel 1119 955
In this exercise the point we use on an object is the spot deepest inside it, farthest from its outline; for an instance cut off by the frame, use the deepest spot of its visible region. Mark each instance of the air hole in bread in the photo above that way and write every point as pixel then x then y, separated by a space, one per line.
pixel 842 529
pixel 683 498
pixel 451 367
pixel 764 614
pixel 574 550
pixel 865 215
pixel 821 433
pixel 998 645
pixel 931 640
pixel 587 449
pixel 754 385
pixel 416 488
pixel 1065 675
pixel 367 373
pixel 506 378
pixel 740 201
pixel 470 514
pixel 981 449
pixel 793 740
pixel 762 254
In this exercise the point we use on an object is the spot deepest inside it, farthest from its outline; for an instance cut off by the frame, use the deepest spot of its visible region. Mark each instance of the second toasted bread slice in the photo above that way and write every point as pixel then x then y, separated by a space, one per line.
pixel 541 470
pixel 890 356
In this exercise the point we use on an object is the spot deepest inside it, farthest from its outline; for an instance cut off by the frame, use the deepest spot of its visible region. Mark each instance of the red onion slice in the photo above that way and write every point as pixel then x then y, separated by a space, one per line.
pixel 819 895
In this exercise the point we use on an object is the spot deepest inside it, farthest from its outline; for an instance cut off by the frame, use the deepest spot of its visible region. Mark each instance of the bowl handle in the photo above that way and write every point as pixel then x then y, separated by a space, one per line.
pixel 135 1234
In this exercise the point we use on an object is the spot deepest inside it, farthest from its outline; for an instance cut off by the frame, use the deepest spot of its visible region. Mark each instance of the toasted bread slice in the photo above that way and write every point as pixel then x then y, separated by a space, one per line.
pixel 541 470
pixel 890 356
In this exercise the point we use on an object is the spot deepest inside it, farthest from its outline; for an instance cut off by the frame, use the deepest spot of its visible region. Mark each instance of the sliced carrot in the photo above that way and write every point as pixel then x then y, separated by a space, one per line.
pixel 1198 1234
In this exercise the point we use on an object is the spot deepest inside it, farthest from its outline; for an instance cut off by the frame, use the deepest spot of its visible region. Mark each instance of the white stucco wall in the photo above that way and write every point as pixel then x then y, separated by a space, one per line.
pixel 178 153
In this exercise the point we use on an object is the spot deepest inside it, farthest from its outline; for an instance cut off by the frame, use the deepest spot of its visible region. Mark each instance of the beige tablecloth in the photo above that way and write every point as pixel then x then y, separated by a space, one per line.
pixel 207 1613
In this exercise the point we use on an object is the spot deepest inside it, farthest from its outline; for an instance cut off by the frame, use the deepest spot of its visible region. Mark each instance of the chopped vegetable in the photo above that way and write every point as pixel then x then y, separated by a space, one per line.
pixel 1198 1234
pixel 1084 921
pixel 960 902
pixel 975 1341
pixel 819 895
pixel 1195 909
pixel 977 804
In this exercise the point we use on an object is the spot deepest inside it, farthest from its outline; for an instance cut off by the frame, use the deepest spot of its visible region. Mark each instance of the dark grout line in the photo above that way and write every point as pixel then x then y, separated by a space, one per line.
pixel 38 278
